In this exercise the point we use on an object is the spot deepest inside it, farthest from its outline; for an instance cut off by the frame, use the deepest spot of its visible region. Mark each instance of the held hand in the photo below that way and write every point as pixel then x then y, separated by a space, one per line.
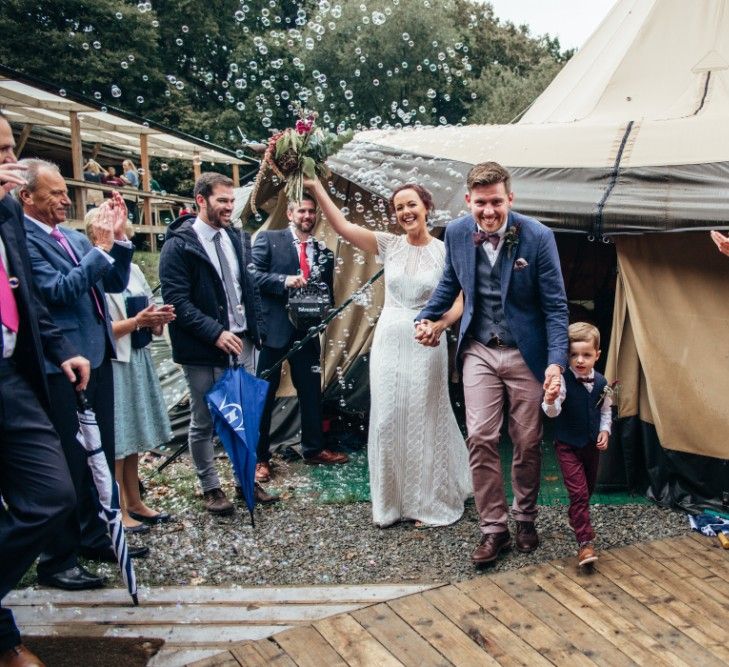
pixel 721 241
pixel 77 370
pixel 427 333
pixel 551 393
pixel 229 343
pixel 602 440
pixel 552 373
pixel 11 175
pixel 294 282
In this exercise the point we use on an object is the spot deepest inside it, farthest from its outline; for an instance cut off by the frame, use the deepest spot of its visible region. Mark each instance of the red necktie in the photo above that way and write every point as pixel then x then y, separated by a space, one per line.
pixel 304 260
pixel 63 242
pixel 8 307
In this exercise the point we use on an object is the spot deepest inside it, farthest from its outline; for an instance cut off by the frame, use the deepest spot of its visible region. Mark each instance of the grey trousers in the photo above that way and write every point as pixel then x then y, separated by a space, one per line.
pixel 200 437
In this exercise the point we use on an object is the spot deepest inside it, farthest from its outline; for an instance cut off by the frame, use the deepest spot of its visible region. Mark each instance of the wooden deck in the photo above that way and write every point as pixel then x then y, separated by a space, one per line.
pixel 195 621
pixel 657 603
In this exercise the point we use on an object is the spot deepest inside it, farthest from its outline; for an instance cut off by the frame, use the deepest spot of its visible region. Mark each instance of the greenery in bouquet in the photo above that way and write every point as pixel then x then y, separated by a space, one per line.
pixel 299 152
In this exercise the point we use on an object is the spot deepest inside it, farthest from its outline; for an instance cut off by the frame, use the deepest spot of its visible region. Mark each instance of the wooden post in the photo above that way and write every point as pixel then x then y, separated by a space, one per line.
pixel 196 166
pixel 236 176
pixel 79 194
pixel 23 138
pixel 146 180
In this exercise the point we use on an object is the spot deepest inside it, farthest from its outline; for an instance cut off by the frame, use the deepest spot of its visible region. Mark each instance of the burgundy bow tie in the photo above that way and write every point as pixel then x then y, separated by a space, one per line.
pixel 480 237
pixel 585 380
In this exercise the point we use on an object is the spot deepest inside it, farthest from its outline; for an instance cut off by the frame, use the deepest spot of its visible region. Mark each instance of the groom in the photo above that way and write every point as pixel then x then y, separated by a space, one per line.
pixel 512 344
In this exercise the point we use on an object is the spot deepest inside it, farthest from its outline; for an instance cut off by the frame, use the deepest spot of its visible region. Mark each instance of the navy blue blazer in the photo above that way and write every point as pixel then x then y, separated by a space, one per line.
pixel 66 288
pixel 37 334
pixel 274 257
pixel 532 289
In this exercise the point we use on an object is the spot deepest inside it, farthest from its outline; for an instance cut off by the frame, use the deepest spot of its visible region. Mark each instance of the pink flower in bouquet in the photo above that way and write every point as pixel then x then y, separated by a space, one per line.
pixel 304 126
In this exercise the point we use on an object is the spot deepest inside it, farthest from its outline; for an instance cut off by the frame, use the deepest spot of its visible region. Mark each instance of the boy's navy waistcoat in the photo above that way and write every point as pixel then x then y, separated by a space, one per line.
pixel 578 424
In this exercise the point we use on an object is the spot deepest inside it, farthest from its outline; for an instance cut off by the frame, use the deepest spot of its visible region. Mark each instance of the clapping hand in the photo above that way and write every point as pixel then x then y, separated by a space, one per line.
pixel 722 242
pixel 119 218
pixel 11 175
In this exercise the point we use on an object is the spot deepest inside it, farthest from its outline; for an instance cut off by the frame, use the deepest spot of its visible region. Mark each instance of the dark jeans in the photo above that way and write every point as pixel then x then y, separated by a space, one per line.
pixel 83 528
pixel 579 471
pixel 306 376
pixel 34 483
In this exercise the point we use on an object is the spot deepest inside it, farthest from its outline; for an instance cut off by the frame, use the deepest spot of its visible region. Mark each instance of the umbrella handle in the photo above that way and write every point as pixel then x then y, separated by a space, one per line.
pixel 82 401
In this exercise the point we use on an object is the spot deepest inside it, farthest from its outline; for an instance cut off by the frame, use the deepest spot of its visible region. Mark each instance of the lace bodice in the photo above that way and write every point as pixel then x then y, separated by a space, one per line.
pixel 411 272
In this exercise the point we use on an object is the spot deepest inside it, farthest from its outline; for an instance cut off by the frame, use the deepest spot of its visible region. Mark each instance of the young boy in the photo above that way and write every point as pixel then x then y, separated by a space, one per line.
pixel 580 405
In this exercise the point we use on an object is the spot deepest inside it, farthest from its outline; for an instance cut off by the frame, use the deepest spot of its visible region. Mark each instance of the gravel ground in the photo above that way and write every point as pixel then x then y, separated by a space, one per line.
pixel 301 540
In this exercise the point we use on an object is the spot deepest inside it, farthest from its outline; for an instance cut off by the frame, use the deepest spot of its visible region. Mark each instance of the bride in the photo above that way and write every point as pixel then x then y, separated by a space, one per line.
pixel 418 460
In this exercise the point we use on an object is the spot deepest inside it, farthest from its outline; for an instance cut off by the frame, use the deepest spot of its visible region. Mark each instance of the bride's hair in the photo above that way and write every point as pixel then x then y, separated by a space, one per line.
pixel 424 195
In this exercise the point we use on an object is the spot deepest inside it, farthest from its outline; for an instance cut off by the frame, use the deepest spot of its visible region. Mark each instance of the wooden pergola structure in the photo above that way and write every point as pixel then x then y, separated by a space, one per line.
pixel 32 104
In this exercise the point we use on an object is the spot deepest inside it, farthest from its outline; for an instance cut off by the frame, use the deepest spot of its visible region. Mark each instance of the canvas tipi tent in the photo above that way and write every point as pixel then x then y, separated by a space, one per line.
pixel 628 142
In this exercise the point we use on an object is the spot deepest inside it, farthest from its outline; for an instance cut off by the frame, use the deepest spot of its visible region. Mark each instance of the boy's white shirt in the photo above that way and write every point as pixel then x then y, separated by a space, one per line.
pixel 606 415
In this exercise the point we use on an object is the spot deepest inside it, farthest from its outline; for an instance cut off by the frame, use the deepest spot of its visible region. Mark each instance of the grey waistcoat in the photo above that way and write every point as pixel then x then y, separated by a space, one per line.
pixel 488 318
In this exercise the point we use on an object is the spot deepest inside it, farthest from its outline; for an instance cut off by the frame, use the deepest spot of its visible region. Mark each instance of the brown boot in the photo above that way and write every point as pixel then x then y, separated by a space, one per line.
pixel 492 544
pixel 263 471
pixel 586 554
pixel 527 538
pixel 216 503
pixel 19 656
pixel 260 495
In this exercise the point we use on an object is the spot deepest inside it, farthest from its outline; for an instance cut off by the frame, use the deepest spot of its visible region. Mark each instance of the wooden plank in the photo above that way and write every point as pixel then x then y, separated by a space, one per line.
pixel 274 655
pixel 172 657
pixel 560 619
pixel 669 557
pixel 622 603
pixel 354 643
pixel 236 176
pixel 553 646
pixel 442 633
pixel 398 637
pixel 682 588
pixel 23 138
pixel 709 552
pixel 626 636
pixel 247 654
pixel 77 162
pixel 487 630
pixel 213 595
pixel 701 562
pixel 270 614
pixel 225 659
pixel 701 629
pixel 307 648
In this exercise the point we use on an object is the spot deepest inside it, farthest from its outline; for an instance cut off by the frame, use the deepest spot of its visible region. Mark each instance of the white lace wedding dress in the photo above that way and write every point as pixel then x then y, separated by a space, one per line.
pixel 418 459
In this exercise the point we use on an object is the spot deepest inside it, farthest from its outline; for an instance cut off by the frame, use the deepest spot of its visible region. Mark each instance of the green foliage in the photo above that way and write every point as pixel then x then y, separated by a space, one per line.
pixel 230 71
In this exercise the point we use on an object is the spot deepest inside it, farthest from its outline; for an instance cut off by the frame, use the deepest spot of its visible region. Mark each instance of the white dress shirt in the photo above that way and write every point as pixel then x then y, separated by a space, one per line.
pixel 206 233
pixel 309 247
pixel 606 415
pixel 491 252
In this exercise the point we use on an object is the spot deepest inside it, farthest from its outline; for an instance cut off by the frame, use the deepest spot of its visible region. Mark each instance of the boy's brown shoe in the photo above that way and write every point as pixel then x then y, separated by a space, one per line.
pixel 217 503
pixel 586 554
pixel 527 538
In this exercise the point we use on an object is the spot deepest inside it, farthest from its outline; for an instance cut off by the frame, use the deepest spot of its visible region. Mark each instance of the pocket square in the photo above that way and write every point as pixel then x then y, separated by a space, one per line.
pixel 520 264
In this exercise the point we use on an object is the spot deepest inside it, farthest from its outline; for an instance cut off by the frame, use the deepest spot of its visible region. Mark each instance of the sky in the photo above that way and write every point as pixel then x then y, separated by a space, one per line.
pixel 573 21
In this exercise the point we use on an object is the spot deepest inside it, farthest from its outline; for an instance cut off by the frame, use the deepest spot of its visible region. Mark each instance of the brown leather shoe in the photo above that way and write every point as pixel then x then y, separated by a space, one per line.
pixel 263 471
pixel 490 547
pixel 216 503
pixel 327 457
pixel 260 495
pixel 20 656
pixel 586 554
pixel 527 538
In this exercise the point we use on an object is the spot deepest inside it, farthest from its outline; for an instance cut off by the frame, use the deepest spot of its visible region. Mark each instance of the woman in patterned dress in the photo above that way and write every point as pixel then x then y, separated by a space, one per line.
pixel 418 460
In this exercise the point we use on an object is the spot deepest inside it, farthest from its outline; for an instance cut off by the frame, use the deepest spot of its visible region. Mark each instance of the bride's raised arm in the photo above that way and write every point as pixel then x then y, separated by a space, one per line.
pixel 358 236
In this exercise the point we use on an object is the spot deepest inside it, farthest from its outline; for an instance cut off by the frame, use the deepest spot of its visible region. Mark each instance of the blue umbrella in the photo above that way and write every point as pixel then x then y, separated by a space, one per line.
pixel 236 403
pixel 107 490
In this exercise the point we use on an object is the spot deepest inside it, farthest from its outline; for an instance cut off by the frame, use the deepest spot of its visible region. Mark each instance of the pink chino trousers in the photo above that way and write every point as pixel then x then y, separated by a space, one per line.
pixel 490 376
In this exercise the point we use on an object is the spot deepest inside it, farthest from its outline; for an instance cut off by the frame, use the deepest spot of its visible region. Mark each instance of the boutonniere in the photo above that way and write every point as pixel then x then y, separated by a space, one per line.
pixel 610 391
pixel 511 238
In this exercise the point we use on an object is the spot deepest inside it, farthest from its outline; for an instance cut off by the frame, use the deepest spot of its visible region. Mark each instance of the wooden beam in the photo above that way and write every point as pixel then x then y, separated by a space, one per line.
pixel 23 138
pixel 236 176
pixel 196 166
pixel 95 150
pixel 146 180
pixel 79 194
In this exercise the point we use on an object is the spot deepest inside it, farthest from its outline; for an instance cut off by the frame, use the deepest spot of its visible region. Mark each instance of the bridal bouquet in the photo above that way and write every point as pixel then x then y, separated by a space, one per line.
pixel 298 152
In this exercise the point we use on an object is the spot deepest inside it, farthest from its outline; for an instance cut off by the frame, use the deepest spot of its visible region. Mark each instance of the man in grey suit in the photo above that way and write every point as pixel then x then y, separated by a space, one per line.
pixel 72 277
pixel 512 343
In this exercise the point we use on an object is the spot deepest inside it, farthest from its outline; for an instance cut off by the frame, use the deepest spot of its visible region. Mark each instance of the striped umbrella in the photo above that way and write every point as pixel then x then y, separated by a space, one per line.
pixel 107 490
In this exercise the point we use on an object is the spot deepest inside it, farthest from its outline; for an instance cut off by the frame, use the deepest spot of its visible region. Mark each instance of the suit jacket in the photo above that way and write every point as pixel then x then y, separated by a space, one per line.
pixel 66 288
pixel 37 334
pixel 192 285
pixel 532 289
pixel 274 257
